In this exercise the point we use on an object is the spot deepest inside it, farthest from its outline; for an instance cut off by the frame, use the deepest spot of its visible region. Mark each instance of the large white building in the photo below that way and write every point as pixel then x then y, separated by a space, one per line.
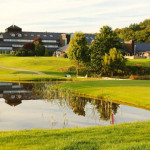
pixel 13 38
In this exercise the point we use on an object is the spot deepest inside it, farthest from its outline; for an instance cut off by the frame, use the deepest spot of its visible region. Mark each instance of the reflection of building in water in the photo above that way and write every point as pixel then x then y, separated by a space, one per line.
pixel 14 93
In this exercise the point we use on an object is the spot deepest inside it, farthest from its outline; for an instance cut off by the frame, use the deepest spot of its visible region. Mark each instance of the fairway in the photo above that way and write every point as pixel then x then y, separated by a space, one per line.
pixel 131 91
pixel 49 65
pixel 139 62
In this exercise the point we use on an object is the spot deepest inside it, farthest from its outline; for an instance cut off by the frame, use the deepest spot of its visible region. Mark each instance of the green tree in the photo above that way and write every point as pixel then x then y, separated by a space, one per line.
pixel 39 49
pixel 104 41
pixel 46 52
pixel 141 36
pixel 78 50
pixel 126 34
pixel 113 62
pixel 134 27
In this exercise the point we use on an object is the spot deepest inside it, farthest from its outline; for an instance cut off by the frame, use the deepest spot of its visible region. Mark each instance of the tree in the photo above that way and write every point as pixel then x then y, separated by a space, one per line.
pixel 32 48
pixel 104 41
pixel 78 50
pixel 39 49
pixel 141 36
pixel 134 27
pixel 113 62
pixel 28 46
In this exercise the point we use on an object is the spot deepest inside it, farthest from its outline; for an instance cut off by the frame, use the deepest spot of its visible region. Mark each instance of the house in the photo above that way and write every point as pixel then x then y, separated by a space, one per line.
pixel 136 50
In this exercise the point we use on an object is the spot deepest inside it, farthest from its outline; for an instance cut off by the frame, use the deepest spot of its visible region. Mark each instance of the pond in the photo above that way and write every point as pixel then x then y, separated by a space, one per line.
pixel 28 106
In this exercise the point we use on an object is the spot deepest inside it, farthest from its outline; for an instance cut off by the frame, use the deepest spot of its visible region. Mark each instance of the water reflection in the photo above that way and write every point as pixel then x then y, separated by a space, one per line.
pixel 14 93
pixel 38 105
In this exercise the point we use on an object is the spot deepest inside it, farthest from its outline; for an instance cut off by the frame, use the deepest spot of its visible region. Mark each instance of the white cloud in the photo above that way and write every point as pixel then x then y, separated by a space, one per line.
pixel 71 15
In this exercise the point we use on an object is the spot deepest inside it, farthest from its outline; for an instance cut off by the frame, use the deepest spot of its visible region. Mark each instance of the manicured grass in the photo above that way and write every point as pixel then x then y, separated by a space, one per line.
pixel 132 91
pixel 49 65
pixel 131 136
pixel 139 62
pixel 30 77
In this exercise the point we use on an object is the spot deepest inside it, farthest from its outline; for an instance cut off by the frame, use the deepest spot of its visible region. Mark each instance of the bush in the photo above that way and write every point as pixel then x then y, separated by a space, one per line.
pixel 64 55
pixel 46 52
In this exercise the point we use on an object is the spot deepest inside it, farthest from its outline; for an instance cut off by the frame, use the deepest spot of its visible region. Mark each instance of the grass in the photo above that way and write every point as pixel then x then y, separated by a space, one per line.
pixel 135 92
pixel 139 62
pixel 130 136
pixel 49 65
pixel 53 67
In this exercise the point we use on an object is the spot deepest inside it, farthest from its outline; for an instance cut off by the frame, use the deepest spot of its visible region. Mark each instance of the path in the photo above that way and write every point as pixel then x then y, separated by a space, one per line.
pixel 15 69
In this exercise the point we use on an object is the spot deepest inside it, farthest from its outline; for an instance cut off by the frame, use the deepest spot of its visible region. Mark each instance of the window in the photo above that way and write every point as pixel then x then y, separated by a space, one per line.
pixel 38 35
pixel 51 35
pixel 17 40
pixel 51 46
pixel 12 35
pixel 49 41
pixel 5 48
pixel 15 45
pixel 32 34
pixel 25 34
pixel 19 35
pixel 45 35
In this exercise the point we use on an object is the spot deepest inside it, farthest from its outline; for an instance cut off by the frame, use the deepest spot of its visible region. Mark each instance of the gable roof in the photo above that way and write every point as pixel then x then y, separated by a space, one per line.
pixel 13 27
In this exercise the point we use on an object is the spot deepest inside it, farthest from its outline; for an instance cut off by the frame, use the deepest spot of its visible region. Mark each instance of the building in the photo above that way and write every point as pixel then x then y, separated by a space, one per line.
pixel 137 50
pixel 13 38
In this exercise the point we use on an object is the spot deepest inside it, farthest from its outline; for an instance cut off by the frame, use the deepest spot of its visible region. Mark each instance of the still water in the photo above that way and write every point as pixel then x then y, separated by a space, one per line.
pixel 28 106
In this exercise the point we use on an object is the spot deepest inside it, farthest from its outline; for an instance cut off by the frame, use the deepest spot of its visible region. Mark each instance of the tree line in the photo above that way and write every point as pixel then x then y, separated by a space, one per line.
pixel 139 32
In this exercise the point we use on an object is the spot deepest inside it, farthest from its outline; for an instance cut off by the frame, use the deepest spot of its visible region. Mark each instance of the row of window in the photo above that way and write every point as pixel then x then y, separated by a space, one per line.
pixel 51 46
pixel 17 45
pixel 25 40
pixel 5 48
pixel 20 35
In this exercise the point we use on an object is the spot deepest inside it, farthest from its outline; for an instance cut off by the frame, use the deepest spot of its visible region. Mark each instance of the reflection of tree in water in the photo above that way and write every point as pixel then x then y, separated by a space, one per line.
pixel 77 104
pixel 105 108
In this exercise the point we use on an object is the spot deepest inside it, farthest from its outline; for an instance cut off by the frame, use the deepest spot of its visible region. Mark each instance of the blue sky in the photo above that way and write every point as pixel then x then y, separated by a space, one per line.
pixel 72 15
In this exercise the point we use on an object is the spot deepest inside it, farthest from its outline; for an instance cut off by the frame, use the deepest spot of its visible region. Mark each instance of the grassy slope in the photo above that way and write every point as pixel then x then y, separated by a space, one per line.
pixel 139 62
pixel 118 137
pixel 54 67
pixel 48 65
pixel 132 91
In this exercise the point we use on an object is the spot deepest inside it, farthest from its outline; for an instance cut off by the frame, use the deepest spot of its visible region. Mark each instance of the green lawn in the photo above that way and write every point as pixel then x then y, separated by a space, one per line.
pixel 131 91
pixel 131 136
pixel 139 62
pixel 52 66
pixel 49 65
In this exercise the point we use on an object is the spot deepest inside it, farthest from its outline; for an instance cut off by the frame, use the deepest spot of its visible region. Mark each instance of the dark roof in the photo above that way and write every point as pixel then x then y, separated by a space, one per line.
pixel 142 47
pixel 89 38
pixel 64 48
pixel 13 27
pixel 32 35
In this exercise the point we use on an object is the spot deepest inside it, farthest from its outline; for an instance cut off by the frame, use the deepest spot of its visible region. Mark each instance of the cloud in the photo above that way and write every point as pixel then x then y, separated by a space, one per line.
pixel 72 15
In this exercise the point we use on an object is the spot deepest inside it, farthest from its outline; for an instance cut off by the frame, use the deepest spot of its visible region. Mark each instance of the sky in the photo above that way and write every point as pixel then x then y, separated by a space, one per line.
pixel 72 15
